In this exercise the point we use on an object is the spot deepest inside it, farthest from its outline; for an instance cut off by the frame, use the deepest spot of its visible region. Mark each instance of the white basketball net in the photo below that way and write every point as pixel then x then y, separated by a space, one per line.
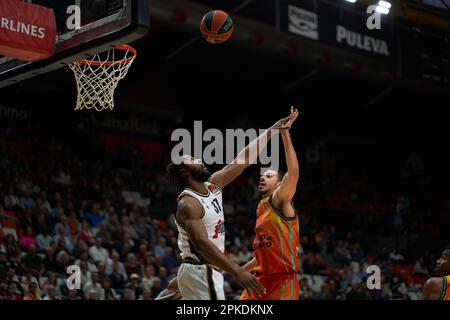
pixel 97 77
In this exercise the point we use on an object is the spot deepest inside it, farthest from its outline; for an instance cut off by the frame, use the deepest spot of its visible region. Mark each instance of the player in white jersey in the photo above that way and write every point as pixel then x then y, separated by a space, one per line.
pixel 200 222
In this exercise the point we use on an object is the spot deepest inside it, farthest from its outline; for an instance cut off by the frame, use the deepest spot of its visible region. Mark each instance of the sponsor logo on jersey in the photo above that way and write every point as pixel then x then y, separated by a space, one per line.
pixel 262 242
pixel 215 190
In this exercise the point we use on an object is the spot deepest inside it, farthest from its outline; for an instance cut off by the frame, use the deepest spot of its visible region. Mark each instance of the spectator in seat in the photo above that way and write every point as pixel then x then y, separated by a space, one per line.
pixel 44 240
pixel 92 295
pixel 341 253
pixel 163 276
pixel 125 246
pixel 52 281
pixel 143 251
pixel 115 259
pixel 101 267
pixel 169 262
pixel 117 277
pixel 94 217
pixel 63 259
pixel 62 224
pixel 10 200
pixel 115 228
pixel 244 255
pixel 110 293
pixel 32 291
pixel 41 224
pixel 79 248
pixel 419 268
pixel 135 285
pixel 128 294
pixel 149 277
pixel 12 293
pixel 11 247
pixel 145 230
pixel 86 233
pixel 146 295
pixel 85 272
pixel 26 280
pixel 98 253
pixel 72 294
pixel 354 292
pixel 27 202
pixel 62 241
pixel 28 238
pixel 131 264
pixel 232 255
pixel 45 203
pixel 32 261
pixel 84 257
pixel 12 278
pixel 396 257
pixel 357 252
pixel 104 235
pixel 51 293
pixel 94 284
pixel 128 228
pixel 73 222
pixel 160 249
pixel 157 288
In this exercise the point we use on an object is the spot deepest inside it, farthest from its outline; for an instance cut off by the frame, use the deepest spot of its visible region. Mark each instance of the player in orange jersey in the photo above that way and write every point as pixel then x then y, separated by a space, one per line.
pixel 438 288
pixel 276 239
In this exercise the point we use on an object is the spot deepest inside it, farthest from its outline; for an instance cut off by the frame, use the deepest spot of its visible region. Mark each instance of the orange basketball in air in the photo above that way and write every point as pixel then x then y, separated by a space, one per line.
pixel 216 26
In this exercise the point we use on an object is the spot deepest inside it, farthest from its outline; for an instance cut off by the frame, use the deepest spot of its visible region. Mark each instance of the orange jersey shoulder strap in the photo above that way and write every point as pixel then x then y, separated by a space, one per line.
pixel 445 295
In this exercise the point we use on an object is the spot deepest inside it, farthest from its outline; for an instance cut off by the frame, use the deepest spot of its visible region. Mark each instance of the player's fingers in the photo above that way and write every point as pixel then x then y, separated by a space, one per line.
pixel 255 292
pixel 259 287
pixel 284 120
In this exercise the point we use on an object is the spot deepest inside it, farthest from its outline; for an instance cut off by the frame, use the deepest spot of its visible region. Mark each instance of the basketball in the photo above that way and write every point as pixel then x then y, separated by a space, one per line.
pixel 216 26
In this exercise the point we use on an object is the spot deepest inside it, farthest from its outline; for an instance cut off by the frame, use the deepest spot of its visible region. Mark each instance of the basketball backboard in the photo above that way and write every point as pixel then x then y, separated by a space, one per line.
pixel 104 24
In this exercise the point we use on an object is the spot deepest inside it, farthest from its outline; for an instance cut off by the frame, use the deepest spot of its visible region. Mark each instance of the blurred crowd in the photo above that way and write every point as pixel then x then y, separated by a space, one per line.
pixel 60 206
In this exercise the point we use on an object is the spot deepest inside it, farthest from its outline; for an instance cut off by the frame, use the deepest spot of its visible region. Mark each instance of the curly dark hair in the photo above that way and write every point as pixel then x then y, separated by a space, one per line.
pixel 174 174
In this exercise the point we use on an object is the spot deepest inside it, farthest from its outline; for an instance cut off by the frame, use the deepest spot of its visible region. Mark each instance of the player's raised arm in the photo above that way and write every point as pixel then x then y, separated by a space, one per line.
pixel 288 184
pixel 248 155
pixel 189 213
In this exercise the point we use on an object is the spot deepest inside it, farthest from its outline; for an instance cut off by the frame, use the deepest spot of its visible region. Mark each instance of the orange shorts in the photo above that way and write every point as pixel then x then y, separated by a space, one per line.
pixel 278 287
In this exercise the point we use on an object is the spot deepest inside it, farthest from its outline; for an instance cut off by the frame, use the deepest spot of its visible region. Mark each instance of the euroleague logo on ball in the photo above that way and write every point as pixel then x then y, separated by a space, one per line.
pixel 216 26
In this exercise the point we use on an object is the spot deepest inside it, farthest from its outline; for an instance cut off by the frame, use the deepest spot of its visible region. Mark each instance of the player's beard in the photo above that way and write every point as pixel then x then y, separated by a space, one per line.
pixel 263 194
pixel 200 175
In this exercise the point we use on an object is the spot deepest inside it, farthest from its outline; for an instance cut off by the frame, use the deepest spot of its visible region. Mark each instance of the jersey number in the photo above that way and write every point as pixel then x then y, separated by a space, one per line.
pixel 216 205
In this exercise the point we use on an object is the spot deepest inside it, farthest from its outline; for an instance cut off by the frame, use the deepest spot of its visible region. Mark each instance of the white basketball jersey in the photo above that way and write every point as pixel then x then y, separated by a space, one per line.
pixel 213 219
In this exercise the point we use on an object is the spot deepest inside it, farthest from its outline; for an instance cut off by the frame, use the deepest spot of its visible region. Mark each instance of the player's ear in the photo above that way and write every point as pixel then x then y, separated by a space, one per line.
pixel 184 173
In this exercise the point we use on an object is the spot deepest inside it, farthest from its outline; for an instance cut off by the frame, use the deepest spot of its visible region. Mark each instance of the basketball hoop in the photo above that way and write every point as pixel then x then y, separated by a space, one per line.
pixel 98 77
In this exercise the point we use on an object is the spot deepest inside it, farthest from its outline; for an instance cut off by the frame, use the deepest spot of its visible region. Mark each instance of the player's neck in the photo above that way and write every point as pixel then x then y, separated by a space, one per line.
pixel 198 186
pixel 263 195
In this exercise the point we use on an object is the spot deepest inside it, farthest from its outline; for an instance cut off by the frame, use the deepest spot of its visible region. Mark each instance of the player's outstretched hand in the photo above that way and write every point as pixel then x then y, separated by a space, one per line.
pixel 286 123
pixel 250 283
pixel 292 118
pixel 281 124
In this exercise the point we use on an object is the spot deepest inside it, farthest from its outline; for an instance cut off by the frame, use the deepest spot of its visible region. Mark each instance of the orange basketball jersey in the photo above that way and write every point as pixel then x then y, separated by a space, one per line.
pixel 276 241
pixel 275 247
pixel 446 288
